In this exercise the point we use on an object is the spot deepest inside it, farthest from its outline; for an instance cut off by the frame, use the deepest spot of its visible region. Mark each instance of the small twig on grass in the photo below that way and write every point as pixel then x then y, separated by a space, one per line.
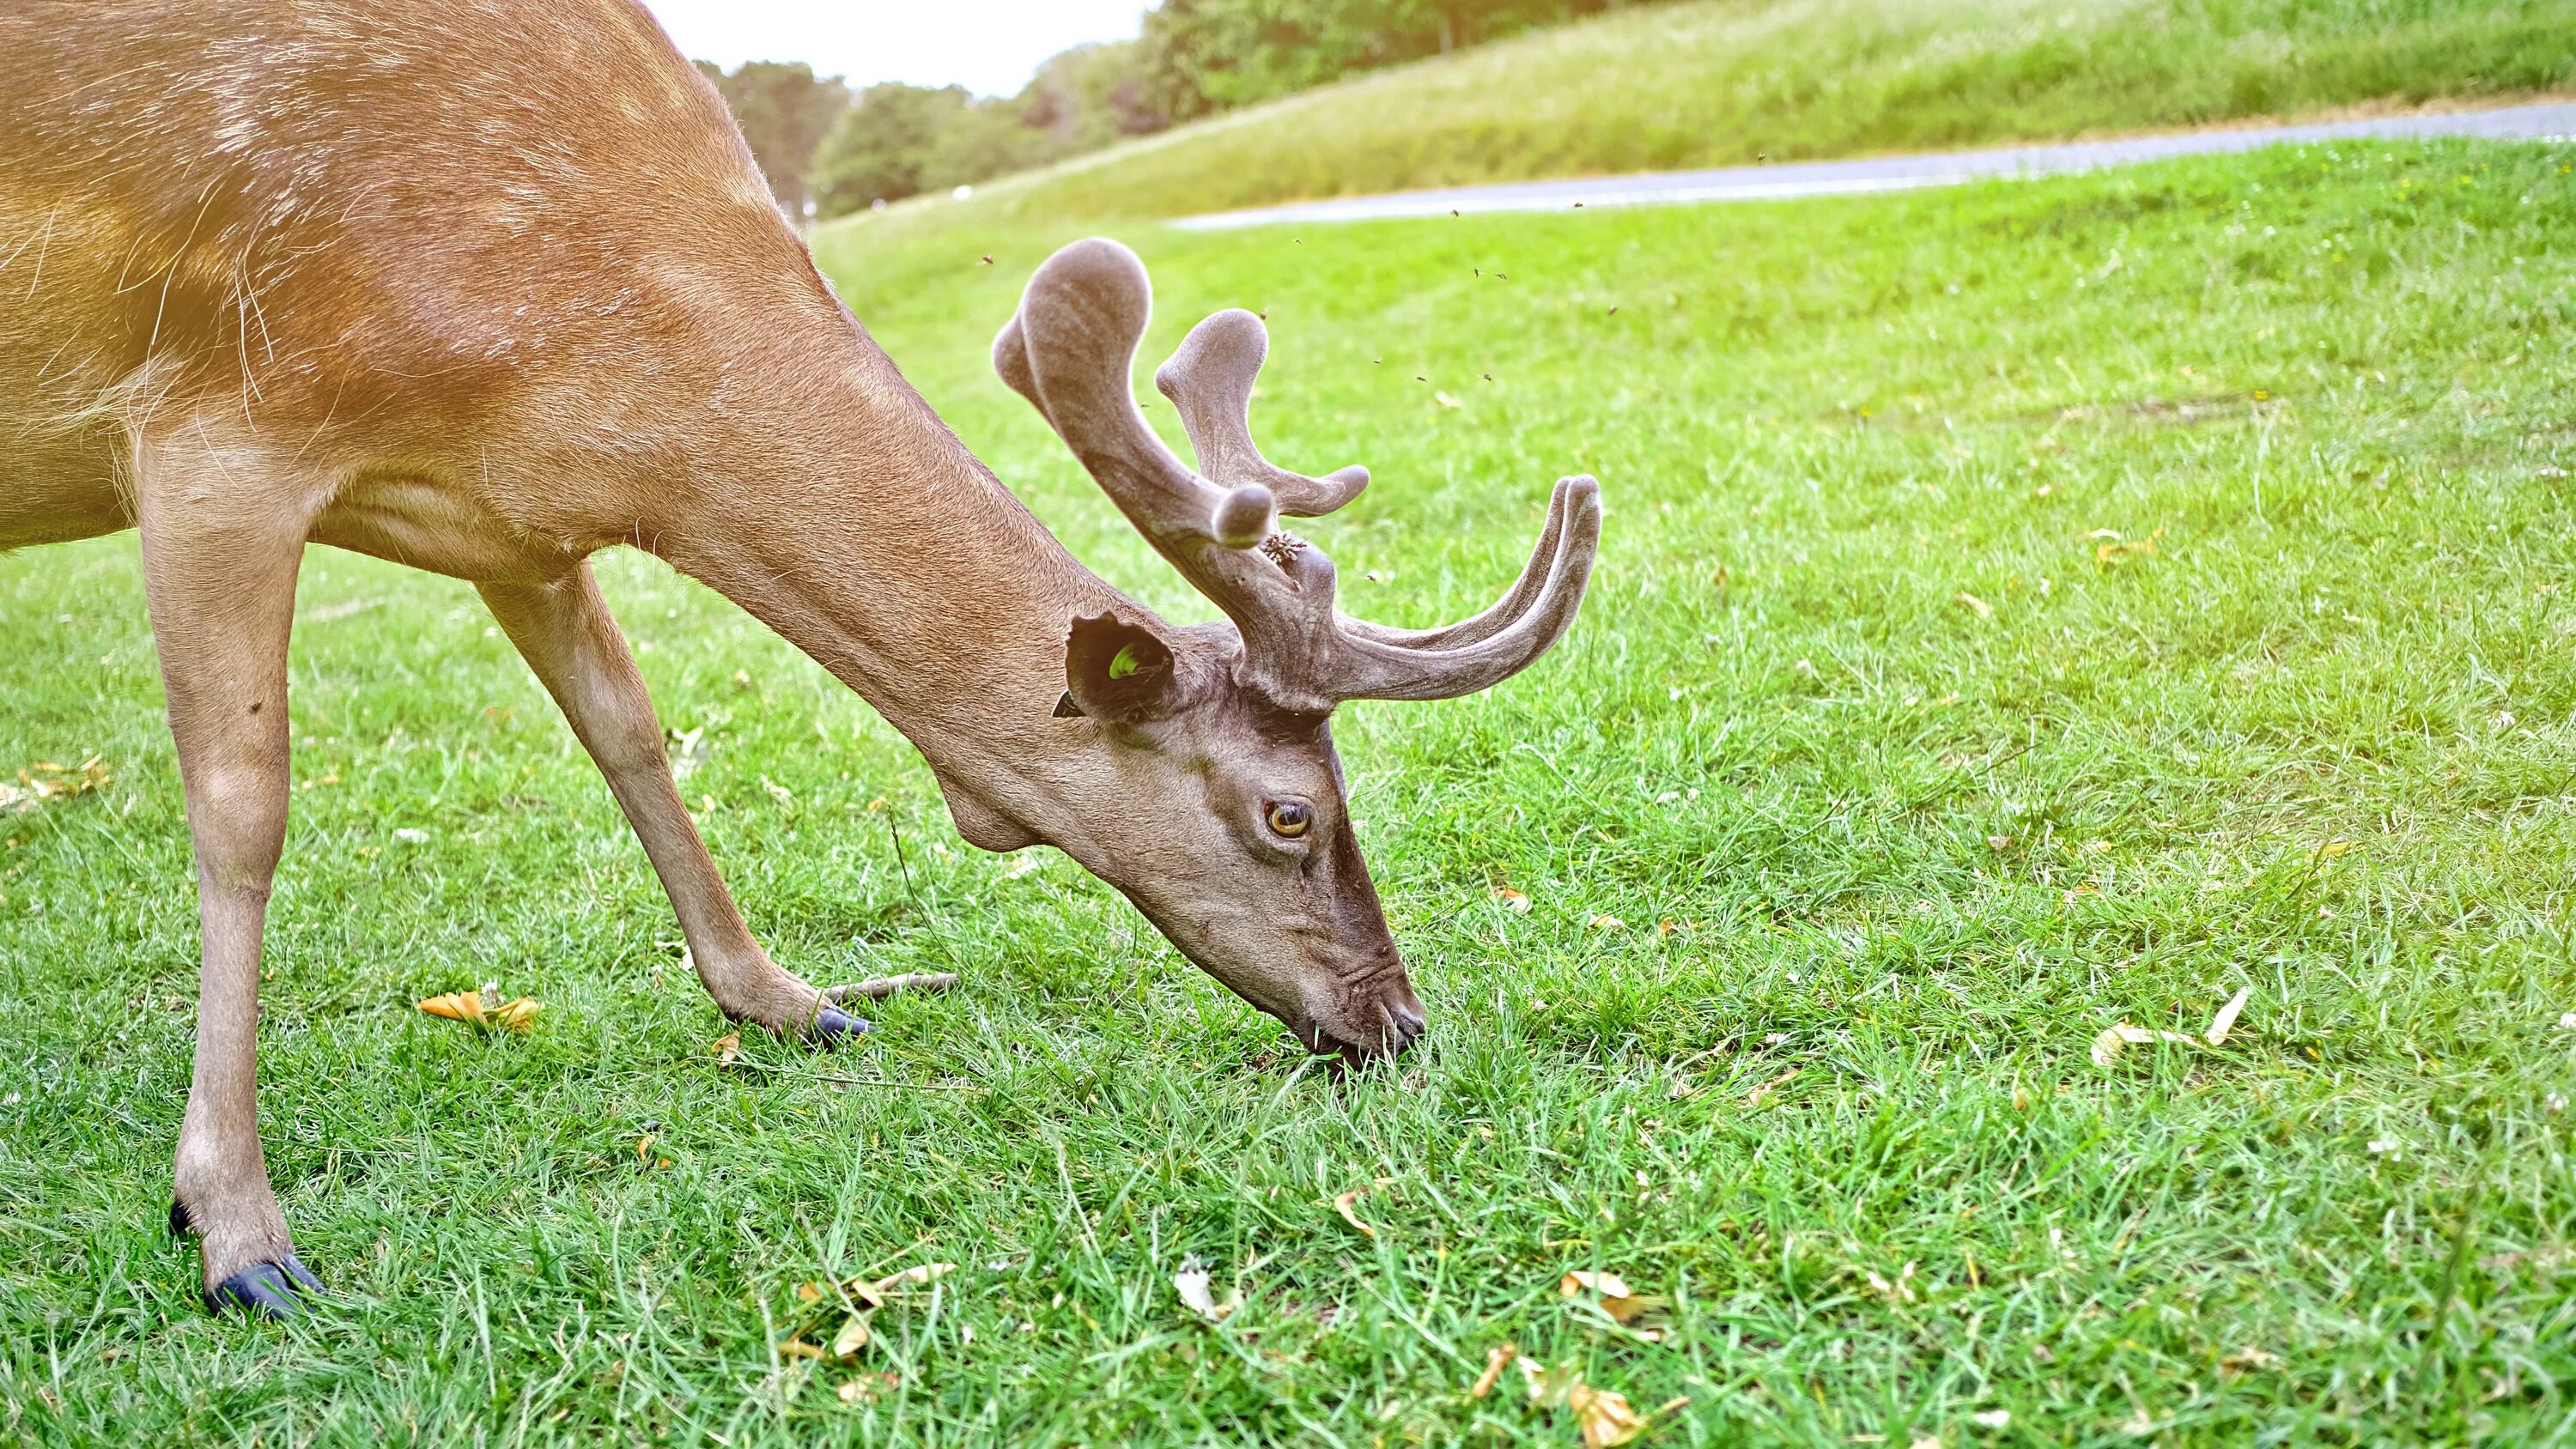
pixel 747 1065
pixel 885 986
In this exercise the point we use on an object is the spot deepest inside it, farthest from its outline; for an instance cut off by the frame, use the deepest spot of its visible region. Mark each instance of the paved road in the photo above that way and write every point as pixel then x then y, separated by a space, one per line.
pixel 1891 173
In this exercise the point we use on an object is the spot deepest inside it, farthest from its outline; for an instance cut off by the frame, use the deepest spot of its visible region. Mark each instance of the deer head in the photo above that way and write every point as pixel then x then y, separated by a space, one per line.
pixel 1231 830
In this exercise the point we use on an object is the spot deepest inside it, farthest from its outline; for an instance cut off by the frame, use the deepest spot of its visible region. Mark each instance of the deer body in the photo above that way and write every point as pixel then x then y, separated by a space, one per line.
pixel 487 286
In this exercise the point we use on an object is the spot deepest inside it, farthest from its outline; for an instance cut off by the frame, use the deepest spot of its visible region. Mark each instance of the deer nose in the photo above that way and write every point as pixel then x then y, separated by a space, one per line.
pixel 1404 1015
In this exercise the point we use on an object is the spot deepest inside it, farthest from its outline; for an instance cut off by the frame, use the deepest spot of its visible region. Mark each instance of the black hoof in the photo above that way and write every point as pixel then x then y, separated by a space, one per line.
pixel 833 1025
pixel 266 1290
pixel 180 1223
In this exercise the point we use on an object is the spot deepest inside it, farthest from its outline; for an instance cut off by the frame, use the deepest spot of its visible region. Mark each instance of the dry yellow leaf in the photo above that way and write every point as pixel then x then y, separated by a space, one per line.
pixel 517 1015
pixel 1581 1280
pixel 45 781
pixel 799 1348
pixel 2225 1022
pixel 728 1048
pixel 644 1148
pixel 852 1337
pixel 1512 900
pixel 1975 605
pixel 809 1292
pixel 1609 923
pixel 1604 1416
pixel 1756 1097
pixel 2110 553
pixel 1497 1359
pixel 1342 1205
pixel 458 1006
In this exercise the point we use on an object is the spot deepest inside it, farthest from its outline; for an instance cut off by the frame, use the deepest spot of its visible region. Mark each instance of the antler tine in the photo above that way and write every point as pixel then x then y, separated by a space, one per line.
pixel 1068 350
pixel 1505 611
pixel 1209 379
pixel 1375 663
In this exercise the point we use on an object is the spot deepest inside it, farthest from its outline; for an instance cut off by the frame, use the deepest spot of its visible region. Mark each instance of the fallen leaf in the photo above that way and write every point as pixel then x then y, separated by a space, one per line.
pixel 728 1048
pixel 518 1015
pixel 868 1386
pixel 1992 1419
pixel 2246 1360
pixel 1668 928
pixel 1755 1097
pixel 2333 849
pixel 1604 1416
pixel 644 1147
pixel 1975 605
pixel 1610 924
pixel 809 1292
pixel 1192 1284
pixel 44 781
pixel 2225 1022
pixel 458 1006
pixel 1608 1285
pixel 2117 1039
pixel 1549 1388
pixel 912 1277
pixel 1512 900
pixel 852 1337
pixel 799 1348
pixel 1342 1205
pixel 1497 1359
pixel 2106 554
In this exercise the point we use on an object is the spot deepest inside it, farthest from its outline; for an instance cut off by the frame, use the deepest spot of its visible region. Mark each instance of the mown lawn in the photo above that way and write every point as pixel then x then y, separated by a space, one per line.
pixel 2023 610
pixel 1734 82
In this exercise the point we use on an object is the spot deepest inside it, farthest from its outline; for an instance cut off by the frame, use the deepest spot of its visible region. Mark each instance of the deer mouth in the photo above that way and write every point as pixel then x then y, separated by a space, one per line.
pixel 1396 1021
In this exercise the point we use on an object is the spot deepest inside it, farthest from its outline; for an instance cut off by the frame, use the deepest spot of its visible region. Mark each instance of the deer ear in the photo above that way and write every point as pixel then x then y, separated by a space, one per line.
pixel 1114 670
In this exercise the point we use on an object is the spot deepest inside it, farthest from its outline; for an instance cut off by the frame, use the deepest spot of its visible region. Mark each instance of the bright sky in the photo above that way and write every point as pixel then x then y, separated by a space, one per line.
pixel 991 47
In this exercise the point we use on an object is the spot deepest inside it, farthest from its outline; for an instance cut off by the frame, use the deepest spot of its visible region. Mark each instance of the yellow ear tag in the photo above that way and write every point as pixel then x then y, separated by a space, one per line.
pixel 1123 663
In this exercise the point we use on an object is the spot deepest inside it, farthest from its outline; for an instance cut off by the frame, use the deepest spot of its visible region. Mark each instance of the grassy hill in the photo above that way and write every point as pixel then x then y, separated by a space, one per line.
pixel 1727 81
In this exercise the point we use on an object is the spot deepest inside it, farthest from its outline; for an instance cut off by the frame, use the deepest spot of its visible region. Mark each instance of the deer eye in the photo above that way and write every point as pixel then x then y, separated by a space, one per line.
pixel 1289 818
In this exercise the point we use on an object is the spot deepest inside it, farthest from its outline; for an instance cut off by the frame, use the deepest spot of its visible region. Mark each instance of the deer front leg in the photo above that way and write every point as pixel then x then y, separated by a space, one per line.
pixel 220 546
pixel 564 631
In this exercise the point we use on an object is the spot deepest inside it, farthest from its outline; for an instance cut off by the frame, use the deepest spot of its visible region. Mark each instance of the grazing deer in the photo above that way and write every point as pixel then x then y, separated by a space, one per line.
pixel 487 286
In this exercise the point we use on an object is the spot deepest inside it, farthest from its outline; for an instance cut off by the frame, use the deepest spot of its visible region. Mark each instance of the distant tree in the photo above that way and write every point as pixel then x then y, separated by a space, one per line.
pixel 1090 96
pixel 882 148
pixel 784 112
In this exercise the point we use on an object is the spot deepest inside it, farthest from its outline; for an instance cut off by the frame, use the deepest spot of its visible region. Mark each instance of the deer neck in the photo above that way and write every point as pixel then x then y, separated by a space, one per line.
pixel 858 527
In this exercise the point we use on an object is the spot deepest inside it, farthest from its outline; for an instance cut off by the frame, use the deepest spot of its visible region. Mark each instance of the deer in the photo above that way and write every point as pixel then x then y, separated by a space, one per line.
pixel 488 287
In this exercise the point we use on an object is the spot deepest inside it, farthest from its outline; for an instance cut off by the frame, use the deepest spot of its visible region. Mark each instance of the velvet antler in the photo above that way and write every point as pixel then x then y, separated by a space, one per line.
pixel 1069 351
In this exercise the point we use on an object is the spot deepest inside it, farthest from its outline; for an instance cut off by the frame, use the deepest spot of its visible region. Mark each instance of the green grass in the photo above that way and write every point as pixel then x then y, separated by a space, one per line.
pixel 1723 82
pixel 1916 851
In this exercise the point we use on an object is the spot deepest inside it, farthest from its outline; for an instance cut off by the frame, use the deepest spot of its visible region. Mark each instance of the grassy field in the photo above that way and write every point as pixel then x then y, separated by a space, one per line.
pixel 2023 610
pixel 1725 82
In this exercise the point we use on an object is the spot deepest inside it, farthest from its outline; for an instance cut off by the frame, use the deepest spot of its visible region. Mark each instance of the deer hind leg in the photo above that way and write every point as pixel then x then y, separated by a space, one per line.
pixel 564 631
pixel 222 535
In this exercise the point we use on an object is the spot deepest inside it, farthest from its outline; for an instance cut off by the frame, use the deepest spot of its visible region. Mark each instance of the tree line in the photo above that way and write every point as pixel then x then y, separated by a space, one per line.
pixel 828 151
